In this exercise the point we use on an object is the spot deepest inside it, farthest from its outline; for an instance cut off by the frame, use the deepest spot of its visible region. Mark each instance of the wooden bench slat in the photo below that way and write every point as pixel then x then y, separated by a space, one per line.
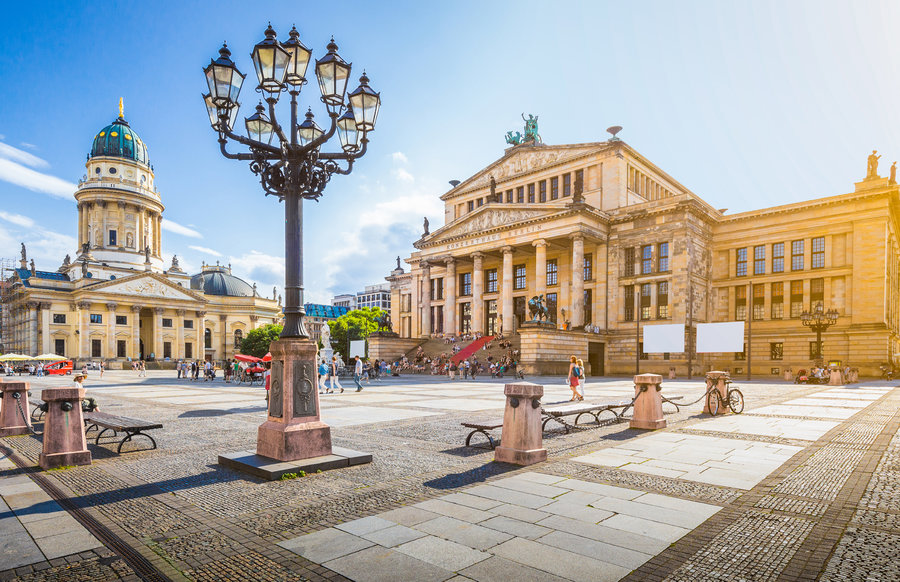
pixel 488 425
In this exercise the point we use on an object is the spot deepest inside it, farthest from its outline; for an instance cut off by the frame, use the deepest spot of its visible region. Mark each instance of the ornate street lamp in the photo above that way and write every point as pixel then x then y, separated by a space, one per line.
pixel 291 165
pixel 818 321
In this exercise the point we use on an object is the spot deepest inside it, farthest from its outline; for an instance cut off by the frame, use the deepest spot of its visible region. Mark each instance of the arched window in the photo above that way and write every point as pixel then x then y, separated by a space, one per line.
pixel 238 336
pixel 207 339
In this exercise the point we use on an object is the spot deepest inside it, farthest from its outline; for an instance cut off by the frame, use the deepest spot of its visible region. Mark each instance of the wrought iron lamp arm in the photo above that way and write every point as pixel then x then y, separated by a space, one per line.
pixel 278 131
pixel 325 136
pixel 252 143
pixel 230 156
pixel 347 156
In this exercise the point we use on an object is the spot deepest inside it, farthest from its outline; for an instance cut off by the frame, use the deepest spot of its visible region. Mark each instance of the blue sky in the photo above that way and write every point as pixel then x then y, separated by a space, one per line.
pixel 749 104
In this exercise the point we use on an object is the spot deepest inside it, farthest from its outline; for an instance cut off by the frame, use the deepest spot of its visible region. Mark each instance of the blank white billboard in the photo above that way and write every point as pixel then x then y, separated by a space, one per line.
pixel 659 339
pixel 358 348
pixel 720 337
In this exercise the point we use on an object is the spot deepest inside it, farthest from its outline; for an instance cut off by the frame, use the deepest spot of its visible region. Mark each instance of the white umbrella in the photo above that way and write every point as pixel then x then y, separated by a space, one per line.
pixel 49 357
pixel 15 358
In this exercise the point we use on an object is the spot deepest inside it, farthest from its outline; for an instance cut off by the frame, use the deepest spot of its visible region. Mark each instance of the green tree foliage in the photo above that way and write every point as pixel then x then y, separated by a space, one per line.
pixel 257 341
pixel 353 325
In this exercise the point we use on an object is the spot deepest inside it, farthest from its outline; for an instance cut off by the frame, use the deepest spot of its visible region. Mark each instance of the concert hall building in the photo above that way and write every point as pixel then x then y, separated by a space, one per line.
pixel 609 238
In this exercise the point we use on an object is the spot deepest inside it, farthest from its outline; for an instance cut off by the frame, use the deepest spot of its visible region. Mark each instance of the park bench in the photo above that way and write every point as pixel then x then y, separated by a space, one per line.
pixel 579 409
pixel 132 427
pixel 37 411
pixel 483 428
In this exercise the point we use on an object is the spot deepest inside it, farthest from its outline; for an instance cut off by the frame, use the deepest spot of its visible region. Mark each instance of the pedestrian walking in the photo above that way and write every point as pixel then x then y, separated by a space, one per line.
pixel 142 370
pixel 102 368
pixel 323 375
pixel 333 375
pixel 580 379
pixel 357 372
pixel 572 377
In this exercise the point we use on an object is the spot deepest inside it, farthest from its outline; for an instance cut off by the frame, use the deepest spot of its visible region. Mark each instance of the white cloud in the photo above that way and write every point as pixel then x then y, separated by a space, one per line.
pixel 400 157
pixel 17 219
pixel 402 175
pixel 205 250
pixel 16 155
pixel 179 229
pixel 19 175
pixel 46 247
pixel 260 268
pixel 25 144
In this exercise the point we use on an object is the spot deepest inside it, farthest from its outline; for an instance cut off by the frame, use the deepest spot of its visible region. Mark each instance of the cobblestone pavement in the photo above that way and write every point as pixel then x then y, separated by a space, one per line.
pixel 192 520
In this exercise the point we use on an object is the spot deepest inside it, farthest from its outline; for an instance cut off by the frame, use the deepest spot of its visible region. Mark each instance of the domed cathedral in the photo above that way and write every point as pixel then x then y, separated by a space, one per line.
pixel 120 299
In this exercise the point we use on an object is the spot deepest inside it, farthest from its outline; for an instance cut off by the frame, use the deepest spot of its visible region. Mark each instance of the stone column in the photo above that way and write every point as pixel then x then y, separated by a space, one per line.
pixel 84 323
pixel 576 302
pixel 506 310
pixel 450 297
pixel 540 267
pixel 478 293
pixel 159 235
pixel 45 328
pixel 426 300
pixel 223 323
pixel 111 330
pixel 32 333
pixel 201 336
pixel 157 329
pixel 253 321
pixel 139 230
pixel 136 331
pixel 178 352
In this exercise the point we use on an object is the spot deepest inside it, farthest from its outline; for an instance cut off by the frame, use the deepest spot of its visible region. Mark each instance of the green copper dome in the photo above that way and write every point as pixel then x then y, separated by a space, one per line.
pixel 119 140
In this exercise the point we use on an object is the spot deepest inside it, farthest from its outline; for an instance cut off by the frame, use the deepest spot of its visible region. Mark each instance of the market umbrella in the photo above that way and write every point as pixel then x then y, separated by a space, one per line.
pixel 49 357
pixel 15 358
pixel 267 357
pixel 243 358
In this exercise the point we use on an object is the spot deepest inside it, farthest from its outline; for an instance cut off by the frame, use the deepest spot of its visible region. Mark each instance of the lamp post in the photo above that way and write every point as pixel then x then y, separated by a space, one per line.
pixel 818 321
pixel 291 165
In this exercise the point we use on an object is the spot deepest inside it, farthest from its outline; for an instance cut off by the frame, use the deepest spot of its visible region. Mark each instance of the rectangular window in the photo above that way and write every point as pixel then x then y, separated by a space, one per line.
pixel 662 300
pixel 588 307
pixel 520 194
pixel 480 202
pixel 814 353
pixel 531 193
pixel 509 196
pixel 551 305
pixel 96 318
pixel 188 350
pixel 629 302
pixel 437 289
pixel 167 350
pixel 96 349
pixel 112 238
pixel 471 205
pixel 120 349
pixel 778 258
pixel 59 347
pixel 552 271
pixel 759 301
pixel 521 278
pixel 796 298
pixel 189 323
pixel 465 317
pixel 490 280
pixel 777 300
pixel 167 322
pixel 741 266
pixel 465 284
pixel 741 355
pixel 643 354
pixel 579 181
pixel 567 185
pixel 740 303
pixel 646 259
pixel 818 252
pixel 543 191
pixel 759 260
pixel 776 350
pixel 59 318
pixel 629 261
pixel 663 250
pixel 645 301
pixel 554 188
pixel 121 320
pixel 588 268
pixel 797 255
pixel 816 292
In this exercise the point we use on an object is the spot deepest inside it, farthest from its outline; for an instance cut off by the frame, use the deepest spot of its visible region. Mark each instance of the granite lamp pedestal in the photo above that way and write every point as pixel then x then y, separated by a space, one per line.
pixel 521 442
pixel 293 438
pixel 64 441
pixel 717 378
pixel 13 407
pixel 648 412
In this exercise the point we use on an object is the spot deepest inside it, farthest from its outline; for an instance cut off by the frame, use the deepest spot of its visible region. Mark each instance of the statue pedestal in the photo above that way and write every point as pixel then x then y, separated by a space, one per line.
pixel 538 325
pixel 293 438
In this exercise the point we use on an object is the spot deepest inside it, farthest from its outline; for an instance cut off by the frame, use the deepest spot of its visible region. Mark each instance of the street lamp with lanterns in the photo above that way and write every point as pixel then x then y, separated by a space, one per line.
pixel 291 165
pixel 819 320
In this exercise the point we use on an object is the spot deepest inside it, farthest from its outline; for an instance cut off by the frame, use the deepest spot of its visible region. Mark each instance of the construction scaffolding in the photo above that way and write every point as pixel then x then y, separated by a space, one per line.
pixel 7 267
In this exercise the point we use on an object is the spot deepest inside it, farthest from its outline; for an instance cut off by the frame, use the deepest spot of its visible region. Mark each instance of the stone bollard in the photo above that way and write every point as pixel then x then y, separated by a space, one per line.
pixel 854 376
pixel 718 378
pixel 15 418
pixel 788 375
pixel 64 441
pixel 521 442
pixel 835 378
pixel 648 412
pixel 671 373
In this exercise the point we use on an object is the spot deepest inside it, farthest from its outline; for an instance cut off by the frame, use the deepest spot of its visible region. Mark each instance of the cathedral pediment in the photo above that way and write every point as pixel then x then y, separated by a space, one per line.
pixel 523 160
pixel 147 285
pixel 488 218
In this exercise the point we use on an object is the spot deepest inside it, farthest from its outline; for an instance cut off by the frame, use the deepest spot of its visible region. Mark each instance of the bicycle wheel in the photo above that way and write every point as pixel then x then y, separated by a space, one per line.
pixel 712 402
pixel 735 401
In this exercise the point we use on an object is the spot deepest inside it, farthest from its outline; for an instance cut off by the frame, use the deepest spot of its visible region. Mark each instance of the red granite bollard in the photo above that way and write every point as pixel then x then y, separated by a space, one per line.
pixel 718 378
pixel 648 412
pixel 14 415
pixel 834 378
pixel 64 441
pixel 521 442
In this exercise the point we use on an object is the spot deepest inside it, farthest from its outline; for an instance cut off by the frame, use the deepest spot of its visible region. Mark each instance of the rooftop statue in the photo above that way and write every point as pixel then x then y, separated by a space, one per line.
pixel 893 179
pixel 24 257
pixel 531 132
pixel 872 165
pixel 425 225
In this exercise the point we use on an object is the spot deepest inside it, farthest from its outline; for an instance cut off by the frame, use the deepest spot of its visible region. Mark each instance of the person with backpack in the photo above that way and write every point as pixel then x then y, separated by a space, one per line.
pixel 572 378
pixel 323 375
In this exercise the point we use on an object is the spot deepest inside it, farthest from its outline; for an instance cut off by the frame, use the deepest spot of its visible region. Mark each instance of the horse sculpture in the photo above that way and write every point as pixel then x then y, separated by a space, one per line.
pixel 384 322
pixel 538 310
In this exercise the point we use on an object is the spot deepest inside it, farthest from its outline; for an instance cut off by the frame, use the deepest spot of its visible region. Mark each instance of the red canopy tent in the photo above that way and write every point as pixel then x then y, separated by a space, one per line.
pixel 267 357
pixel 243 358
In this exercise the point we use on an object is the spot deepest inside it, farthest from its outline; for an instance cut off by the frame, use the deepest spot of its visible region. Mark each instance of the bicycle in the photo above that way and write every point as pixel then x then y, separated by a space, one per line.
pixel 733 398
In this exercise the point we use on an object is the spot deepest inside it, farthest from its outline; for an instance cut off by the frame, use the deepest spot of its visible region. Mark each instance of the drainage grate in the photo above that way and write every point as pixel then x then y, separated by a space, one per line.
pixel 135 560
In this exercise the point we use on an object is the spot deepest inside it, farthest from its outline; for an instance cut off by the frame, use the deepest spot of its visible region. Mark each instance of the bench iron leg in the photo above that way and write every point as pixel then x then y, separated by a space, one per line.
pixel 134 434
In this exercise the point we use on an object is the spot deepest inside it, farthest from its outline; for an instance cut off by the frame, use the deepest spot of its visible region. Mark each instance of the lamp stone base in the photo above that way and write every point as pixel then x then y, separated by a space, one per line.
pixel 519 457
pixel 53 460
pixel 291 442
pixel 14 416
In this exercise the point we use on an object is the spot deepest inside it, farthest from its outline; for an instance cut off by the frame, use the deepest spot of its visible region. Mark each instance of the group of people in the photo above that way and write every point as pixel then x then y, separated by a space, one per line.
pixel 363 369
pixel 575 378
